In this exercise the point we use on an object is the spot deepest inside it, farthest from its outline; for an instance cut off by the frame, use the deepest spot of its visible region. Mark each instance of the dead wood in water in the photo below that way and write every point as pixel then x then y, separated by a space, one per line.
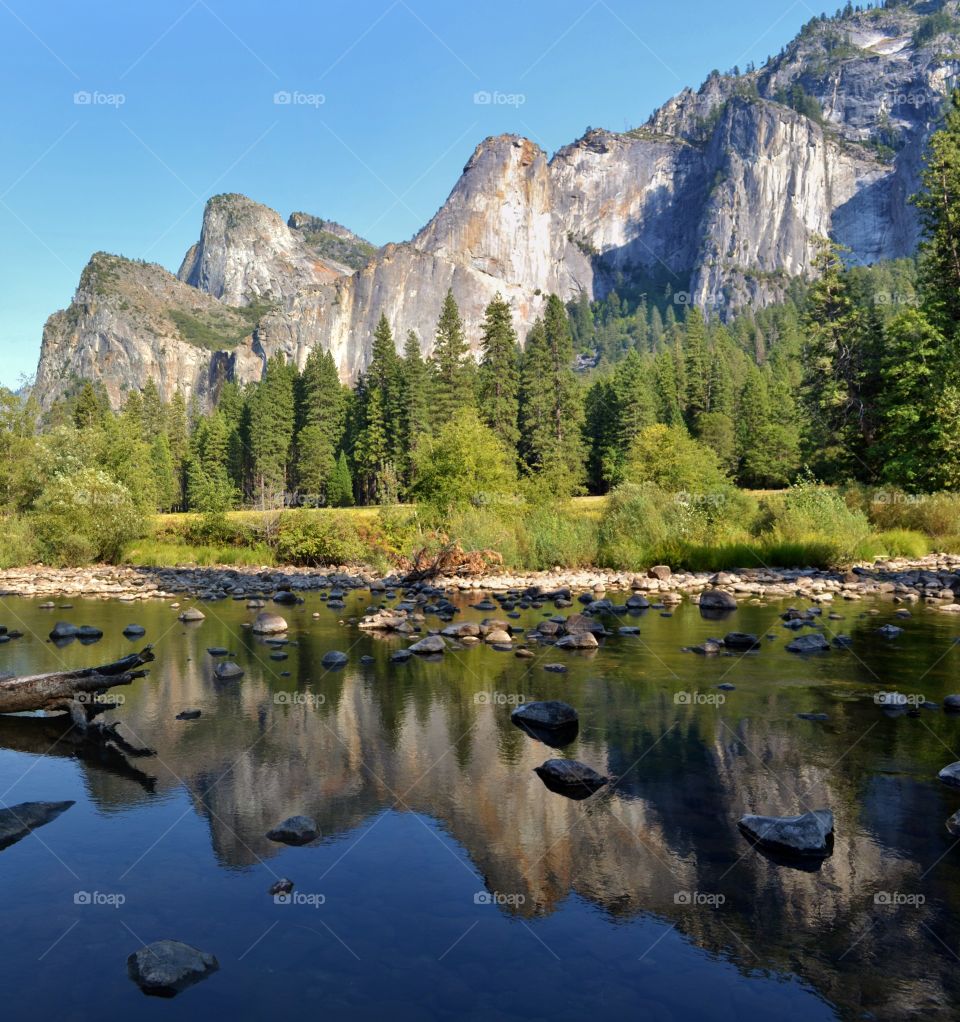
pixel 71 691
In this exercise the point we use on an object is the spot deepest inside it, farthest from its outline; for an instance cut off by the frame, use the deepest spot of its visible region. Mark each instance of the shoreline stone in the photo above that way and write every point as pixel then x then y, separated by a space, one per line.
pixel 934 579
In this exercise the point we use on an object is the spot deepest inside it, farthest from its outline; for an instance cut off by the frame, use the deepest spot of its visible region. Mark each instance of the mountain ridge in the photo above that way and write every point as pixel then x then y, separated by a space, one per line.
pixel 725 191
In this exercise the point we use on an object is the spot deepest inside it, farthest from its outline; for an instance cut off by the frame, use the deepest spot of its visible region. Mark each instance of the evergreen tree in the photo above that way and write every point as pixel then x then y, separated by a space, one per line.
pixel 499 373
pixel 340 487
pixel 551 410
pixel 321 422
pixel 272 421
pixel 415 395
pixel 452 366
pixel 695 366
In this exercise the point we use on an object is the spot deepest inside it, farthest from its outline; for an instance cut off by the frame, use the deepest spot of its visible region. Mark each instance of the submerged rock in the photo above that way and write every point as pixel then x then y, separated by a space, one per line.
pixel 809 834
pixel 227 671
pixel 429 644
pixel 166 967
pixel 63 630
pixel 742 641
pixel 578 640
pixel 296 830
pixel 16 823
pixel 570 778
pixel 334 658
pixel 134 631
pixel 813 642
pixel 889 631
pixel 549 714
pixel 951 775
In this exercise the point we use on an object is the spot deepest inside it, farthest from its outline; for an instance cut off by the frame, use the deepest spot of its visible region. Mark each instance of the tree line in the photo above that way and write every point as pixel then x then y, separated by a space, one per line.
pixel 855 376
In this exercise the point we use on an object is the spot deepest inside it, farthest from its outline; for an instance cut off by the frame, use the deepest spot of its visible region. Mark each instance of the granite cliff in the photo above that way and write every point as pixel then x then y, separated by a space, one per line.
pixel 720 195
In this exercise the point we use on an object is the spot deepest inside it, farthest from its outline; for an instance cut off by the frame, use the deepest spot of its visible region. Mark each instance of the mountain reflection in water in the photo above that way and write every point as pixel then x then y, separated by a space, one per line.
pixel 434 823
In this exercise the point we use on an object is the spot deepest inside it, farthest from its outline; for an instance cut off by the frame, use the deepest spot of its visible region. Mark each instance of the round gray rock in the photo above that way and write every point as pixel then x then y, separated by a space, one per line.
pixel 166 967
pixel 549 714
pixel 809 834
pixel 228 671
pixel 269 624
pixel 297 830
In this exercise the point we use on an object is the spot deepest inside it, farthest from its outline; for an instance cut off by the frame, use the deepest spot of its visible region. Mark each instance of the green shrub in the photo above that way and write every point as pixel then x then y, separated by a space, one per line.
pixel 85 517
pixel 903 543
pixel 485 529
pixel 463 465
pixel 671 458
pixel 639 520
pixel 555 535
pixel 313 539
pixel 810 514
pixel 18 545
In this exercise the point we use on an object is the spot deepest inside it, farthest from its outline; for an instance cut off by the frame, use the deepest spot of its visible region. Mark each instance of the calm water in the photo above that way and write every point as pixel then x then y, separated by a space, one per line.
pixel 643 901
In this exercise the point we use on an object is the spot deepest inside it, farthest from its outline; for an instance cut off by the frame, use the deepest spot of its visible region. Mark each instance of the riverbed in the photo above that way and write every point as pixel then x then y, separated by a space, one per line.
pixel 449 882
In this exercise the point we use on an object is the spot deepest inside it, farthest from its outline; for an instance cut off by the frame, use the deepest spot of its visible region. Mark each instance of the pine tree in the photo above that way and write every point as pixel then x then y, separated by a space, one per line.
pixel 165 476
pixel 453 368
pixel 499 373
pixel 154 412
pixel 695 362
pixel 340 487
pixel 841 379
pixel 415 394
pixel 551 410
pixel 321 422
pixel 272 421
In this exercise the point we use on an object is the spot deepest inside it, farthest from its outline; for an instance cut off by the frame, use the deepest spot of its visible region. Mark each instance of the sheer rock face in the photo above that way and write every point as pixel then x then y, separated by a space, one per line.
pixel 721 195
pixel 247 255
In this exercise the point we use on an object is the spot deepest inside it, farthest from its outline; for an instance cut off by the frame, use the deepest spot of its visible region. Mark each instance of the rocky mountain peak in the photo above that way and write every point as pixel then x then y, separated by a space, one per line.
pixel 248 255
pixel 720 194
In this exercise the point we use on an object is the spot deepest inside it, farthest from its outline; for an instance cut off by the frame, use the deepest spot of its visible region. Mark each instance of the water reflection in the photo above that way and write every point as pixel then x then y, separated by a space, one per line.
pixel 873 929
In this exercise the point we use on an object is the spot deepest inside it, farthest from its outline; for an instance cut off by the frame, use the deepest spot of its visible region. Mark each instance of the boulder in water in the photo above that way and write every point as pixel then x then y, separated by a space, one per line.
pixel 166 967
pixel 808 834
pixel 813 642
pixel 296 830
pixel 570 778
pixel 269 624
pixel 228 671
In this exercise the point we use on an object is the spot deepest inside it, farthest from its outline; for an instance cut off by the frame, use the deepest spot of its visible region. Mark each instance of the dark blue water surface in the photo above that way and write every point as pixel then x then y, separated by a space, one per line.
pixel 449 883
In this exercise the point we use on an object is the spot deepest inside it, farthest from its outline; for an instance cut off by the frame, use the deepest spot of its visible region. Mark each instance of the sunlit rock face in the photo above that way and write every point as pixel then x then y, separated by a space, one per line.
pixel 721 196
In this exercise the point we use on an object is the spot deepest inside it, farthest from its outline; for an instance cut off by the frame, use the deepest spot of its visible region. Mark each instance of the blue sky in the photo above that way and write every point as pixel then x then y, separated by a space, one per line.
pixel 383 117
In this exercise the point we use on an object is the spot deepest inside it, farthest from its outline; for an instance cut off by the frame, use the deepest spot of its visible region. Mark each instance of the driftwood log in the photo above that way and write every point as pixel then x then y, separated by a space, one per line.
pixel 73 692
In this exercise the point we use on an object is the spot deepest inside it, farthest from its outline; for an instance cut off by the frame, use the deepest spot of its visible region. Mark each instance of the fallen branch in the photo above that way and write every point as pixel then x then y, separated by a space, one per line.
pixel 450 559
pixel 70 691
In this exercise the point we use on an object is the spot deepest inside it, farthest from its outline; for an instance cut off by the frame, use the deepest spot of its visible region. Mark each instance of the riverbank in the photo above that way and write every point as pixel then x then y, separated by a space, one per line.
pixel 935 579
